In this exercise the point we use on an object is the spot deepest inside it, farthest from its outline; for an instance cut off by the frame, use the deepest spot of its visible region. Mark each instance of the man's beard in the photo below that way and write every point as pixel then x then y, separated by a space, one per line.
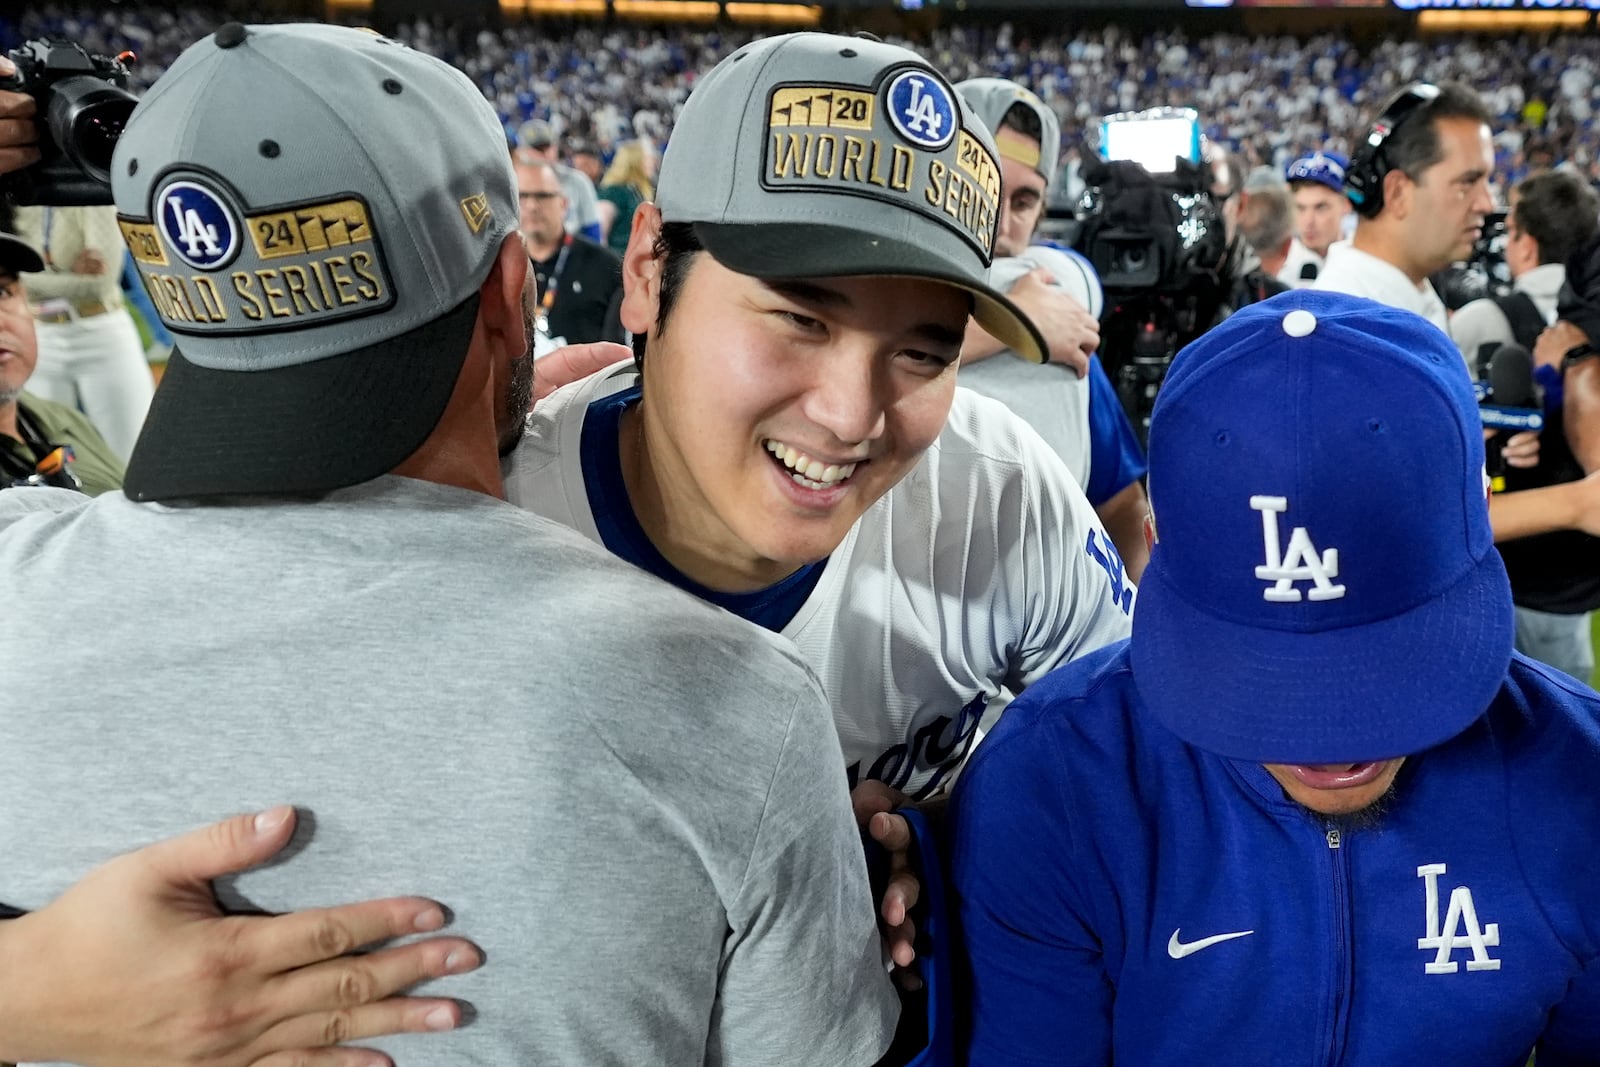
pixel 1368 818
pixel 519 394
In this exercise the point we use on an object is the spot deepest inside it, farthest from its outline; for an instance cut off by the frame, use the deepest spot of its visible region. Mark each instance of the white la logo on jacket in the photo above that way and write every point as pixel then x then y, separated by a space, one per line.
pixel 1304 563
pixel 1462 911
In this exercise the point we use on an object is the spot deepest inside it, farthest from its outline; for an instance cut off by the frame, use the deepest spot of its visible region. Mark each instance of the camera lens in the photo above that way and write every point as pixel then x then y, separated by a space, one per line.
pixel 86 117
pixel 96 133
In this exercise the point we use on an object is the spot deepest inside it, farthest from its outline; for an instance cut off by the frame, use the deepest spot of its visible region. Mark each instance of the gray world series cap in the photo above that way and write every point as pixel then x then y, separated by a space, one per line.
pixel 312 210
pixel 991 98
pixel 812 155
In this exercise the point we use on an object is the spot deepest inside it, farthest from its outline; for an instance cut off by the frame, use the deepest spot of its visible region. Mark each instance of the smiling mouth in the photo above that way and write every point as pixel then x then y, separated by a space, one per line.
pixel 806 471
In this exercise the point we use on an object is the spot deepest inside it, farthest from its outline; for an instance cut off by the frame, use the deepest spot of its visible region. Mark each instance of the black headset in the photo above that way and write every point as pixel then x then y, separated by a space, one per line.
pixel 1363 179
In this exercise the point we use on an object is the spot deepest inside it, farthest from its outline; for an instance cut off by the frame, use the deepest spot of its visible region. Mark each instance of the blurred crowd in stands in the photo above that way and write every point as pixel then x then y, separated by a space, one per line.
pixel 1270 99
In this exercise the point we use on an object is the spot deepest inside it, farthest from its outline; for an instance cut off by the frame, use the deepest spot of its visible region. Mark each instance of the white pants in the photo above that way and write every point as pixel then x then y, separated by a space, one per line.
pixel 96 364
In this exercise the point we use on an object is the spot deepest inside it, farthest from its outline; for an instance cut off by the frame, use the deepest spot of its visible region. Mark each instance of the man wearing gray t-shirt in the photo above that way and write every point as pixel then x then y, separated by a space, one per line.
pixel 310 592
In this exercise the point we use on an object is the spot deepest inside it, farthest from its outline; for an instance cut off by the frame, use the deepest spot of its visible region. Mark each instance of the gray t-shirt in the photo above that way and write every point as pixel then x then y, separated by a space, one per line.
pixel 631 800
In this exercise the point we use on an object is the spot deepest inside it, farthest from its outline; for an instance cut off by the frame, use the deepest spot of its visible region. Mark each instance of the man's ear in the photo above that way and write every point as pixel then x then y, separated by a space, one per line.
pixel 641 272
pixel 500 314
pixel 1397 190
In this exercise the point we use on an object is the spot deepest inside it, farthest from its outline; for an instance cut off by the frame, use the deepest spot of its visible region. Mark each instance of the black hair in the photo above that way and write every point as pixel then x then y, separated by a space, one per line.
pixel 1558 210
pixel 675 249
pixel 1414 145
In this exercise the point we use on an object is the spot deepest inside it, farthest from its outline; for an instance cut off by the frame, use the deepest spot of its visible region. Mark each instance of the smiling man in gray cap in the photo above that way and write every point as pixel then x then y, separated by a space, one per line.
pixel 312 592
pixel 790 444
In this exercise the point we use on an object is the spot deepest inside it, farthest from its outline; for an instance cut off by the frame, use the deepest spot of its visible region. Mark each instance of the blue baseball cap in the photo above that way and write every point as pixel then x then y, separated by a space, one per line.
pixel 1325 587
pixel 1324 168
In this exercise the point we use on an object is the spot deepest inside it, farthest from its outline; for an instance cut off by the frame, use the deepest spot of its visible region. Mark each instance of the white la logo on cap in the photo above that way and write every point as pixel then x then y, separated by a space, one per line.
pixel 1304 564
pixel 922 109
pixel 197 225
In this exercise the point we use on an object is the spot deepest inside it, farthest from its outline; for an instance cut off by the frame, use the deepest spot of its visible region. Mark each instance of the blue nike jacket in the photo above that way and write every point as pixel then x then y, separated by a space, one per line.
pixel 1124 895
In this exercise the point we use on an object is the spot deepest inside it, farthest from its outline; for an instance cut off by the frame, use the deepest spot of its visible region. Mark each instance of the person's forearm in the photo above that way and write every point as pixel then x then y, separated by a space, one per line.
pixel 1581 412
pixel 1534 511
pixel 64 285
pixel 978 344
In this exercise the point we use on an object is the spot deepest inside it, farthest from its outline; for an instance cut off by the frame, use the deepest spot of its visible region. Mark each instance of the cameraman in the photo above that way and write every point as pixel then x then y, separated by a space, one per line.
pixel 33 430
pixel 1553 213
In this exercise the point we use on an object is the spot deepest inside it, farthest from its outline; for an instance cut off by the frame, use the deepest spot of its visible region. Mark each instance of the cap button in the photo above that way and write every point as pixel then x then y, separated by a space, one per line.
pixel 231 35
pixel 1299 323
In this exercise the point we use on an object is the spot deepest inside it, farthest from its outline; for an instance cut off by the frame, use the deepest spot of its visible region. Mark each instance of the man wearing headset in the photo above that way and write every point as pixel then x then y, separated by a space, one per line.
pixel 1420 184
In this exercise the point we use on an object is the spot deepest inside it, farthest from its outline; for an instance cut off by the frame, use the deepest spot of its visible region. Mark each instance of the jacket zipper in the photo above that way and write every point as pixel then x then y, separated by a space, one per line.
pixel 1342 926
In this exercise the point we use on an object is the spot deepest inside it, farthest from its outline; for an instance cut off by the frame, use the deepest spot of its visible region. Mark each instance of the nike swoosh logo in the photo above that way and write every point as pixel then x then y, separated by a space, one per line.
pixel 1177 949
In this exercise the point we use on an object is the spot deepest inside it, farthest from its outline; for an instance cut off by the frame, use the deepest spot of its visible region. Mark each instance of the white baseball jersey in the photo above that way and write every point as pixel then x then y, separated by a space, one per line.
pixel 980 571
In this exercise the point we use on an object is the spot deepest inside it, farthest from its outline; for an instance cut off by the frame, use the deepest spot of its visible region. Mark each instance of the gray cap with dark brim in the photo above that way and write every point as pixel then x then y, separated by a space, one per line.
pixel 813 155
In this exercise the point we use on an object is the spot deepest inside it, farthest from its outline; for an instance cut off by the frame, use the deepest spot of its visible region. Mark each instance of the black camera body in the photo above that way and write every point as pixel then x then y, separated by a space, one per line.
pixel 1160 246
pixel 1484 274
pixel 81 105
pixel 1150 232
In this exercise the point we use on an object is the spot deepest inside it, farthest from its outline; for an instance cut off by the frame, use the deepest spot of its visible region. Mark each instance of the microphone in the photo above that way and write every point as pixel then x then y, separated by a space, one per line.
pixel 1512 405
pixel 1308 272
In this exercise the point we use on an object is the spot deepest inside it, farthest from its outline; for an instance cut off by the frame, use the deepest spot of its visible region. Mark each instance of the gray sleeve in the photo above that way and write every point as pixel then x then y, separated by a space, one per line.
pixel 804 978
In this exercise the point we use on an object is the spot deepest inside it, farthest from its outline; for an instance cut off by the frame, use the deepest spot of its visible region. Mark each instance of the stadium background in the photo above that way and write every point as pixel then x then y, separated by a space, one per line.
pixel 1270 78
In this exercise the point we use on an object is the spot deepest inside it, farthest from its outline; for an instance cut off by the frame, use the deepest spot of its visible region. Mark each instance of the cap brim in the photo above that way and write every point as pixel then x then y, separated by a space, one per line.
pixel 309 428
pixel 797 250
pixel 1369 692
pixel 18 256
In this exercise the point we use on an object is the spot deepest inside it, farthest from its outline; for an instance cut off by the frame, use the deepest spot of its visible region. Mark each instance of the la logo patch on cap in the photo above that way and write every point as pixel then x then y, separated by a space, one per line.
pixel 922 110
pixel 197 225
pixel 214 265
pixel 899 140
